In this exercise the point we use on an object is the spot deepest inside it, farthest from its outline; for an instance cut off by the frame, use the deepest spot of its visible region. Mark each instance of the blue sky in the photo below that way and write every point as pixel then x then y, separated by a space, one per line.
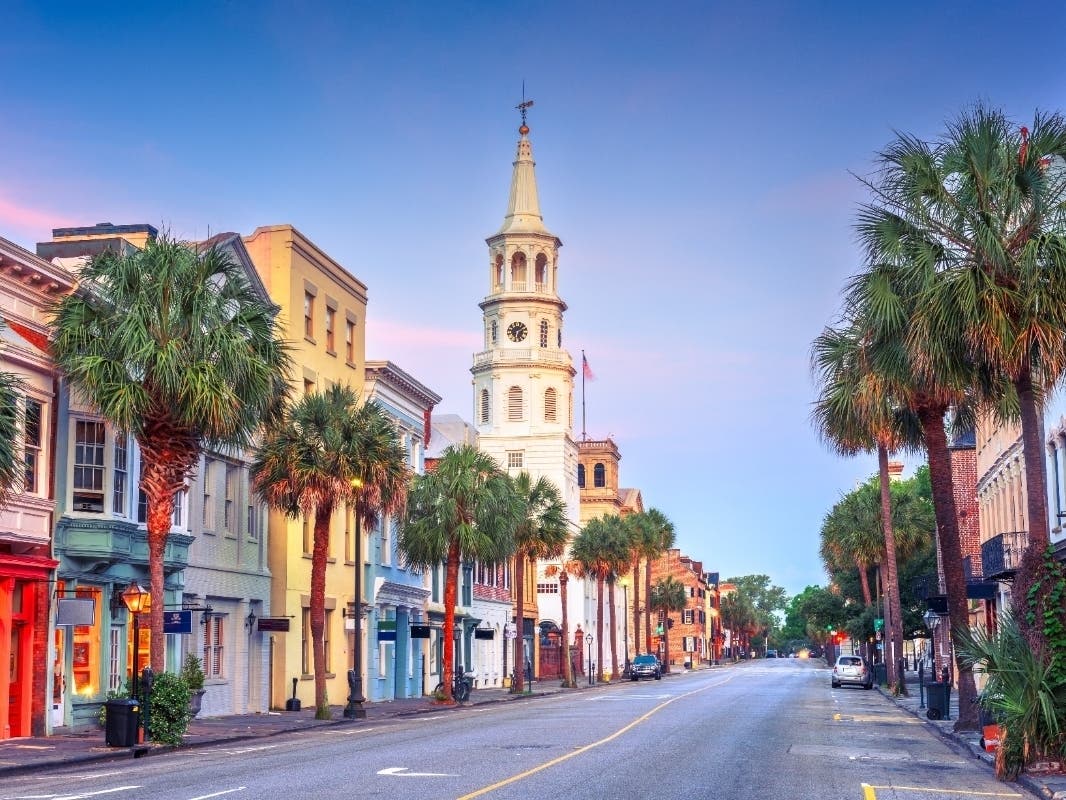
pixel 696 159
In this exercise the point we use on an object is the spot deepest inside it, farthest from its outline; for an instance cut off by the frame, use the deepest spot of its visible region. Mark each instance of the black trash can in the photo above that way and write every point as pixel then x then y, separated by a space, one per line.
pixel 123 719
pixel 880 674
pixel 938 699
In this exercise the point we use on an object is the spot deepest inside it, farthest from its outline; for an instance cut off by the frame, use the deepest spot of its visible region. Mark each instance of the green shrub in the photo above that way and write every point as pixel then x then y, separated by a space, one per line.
pixel 168 718
pixel 192 671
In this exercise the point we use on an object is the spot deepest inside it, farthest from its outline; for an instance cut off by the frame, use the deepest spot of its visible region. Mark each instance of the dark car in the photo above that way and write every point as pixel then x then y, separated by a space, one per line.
pixel 645 666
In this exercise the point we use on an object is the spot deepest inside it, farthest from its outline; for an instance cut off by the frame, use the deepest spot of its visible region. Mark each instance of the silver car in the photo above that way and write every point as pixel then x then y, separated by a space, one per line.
pixel 853 670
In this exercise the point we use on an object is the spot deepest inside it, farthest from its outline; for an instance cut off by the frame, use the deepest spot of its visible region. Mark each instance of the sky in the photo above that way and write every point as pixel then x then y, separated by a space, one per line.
pixel 699 162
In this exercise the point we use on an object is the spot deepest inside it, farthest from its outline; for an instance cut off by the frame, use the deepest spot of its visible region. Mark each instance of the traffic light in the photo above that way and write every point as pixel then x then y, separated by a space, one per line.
pixel 879 624
pixel 659 630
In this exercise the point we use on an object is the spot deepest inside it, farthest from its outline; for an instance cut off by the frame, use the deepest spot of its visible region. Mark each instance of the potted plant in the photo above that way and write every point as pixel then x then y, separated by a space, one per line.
pixel 192 672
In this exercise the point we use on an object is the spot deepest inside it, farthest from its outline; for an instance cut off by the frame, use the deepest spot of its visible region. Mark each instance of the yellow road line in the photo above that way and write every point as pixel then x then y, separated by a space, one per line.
pixel 871 796
pixel 523 775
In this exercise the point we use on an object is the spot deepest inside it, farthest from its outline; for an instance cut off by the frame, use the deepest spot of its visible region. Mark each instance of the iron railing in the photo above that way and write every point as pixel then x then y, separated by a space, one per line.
pixel 1001 555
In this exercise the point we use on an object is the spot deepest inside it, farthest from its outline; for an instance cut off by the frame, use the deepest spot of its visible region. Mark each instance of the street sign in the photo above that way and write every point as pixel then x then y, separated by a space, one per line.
pixel 177 622
pixel 879 624
pixel 878 635
pixel 511 633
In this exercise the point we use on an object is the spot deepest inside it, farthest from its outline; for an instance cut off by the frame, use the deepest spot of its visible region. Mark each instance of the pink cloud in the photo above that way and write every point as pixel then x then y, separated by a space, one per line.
pixel 385 334
pixel 31 221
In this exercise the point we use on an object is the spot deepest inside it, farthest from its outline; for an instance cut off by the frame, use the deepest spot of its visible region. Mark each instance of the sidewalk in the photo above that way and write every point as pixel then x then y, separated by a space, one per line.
pixel 19 756
pixel 1051 786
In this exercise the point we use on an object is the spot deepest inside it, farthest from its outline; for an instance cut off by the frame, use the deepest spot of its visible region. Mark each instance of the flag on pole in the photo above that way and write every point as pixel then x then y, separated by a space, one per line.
pixel 586 370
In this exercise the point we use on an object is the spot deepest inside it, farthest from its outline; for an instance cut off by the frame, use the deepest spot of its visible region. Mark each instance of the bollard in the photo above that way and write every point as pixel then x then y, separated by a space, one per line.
pixel 921 684
pixel 147 682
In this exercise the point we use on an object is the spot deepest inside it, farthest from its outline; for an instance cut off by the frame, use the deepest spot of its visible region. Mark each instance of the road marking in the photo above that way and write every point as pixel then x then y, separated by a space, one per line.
pixel 523 775
pixel 868 792
pixel 967 792
pixel 402 772
pixel 82 795
pixel 219 794
pixel 237 751
pixel 349 733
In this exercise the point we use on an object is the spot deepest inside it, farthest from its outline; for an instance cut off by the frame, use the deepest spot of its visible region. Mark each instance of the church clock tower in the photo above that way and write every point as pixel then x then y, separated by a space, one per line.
pixel 523 378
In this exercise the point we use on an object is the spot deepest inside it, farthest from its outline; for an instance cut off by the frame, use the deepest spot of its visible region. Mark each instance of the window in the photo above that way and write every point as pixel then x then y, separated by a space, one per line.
pixel 177 515
pixel 31 446
pixel 331 315
pixel 209 501
pixel 309 533
pixel 118 490
pixel 518 272
pixel 309 386
pixel 547 588
pixel 514 459
pixel 114 654
pixel 549 405
pixel 309 315
pixel 229 517
pixel 506 574
pixel 540 274
pixel 349 341
pixel 514 404
pixel 494 332
pixel 142 498
pixel 253 522
pixel 687 617
pixel 599 476
pixel 484 406
pixel 544 333
pixel 581 476
pixel 325 639
pixel 386 546
pixel 89 466
pixel 213 648
pixel 497 275
pixel 305 641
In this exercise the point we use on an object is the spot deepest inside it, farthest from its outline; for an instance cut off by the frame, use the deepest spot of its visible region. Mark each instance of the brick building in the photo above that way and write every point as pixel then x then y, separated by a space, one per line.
pixel 689 633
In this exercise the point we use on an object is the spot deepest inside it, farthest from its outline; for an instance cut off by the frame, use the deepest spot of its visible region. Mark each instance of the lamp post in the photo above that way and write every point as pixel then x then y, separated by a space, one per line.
pixel 354 709
pixel 588 641
pixel 137 600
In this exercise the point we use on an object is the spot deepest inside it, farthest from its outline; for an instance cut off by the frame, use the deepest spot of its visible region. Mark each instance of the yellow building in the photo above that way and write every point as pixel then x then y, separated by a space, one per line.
pixel 323 315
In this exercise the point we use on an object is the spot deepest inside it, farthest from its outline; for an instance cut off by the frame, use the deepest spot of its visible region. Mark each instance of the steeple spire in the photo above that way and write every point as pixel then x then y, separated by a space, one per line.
pixel 523 207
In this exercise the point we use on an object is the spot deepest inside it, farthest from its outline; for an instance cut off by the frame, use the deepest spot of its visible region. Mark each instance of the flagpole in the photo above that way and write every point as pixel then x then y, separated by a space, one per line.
pixel 583 370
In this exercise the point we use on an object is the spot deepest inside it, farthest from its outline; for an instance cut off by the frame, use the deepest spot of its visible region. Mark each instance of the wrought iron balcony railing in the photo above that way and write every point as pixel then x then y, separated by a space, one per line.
pixel 1001 555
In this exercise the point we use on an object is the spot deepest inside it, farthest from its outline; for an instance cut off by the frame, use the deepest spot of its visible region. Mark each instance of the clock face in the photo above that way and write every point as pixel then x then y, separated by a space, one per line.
pixel 516 331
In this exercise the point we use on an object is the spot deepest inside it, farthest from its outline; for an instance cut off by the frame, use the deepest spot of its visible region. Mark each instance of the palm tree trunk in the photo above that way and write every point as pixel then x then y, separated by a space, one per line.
pixel 319 555
pixel 613 629
pixel 160 510
pixel 518 683
pixel 636 607
pixel 451 585
pixel 599 629
pixel 894 634
pixel 864 582
pixel 647 605
pixel 940 478
pixel 568 672
pixel 1031 567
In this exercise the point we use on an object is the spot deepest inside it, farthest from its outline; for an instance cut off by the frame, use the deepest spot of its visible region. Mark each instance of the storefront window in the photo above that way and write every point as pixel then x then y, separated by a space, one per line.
pixel 86 648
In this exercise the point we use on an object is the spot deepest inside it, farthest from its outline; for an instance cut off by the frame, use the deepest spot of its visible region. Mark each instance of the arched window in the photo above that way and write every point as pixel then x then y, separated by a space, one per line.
pixel 549 404
pixel 581 476
pixel 599 476
pixel 497 275
pixel 544 333
pixel 541 272
pixel 484 406
pixel 495 332
pixel 514 404
pixel 518 272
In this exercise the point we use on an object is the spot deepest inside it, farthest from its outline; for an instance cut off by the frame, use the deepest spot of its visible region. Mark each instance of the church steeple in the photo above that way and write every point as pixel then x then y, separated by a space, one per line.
pixel 523 207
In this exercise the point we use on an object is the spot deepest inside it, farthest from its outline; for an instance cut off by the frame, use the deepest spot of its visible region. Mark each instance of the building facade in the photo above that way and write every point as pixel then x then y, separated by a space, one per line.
pixel 688 634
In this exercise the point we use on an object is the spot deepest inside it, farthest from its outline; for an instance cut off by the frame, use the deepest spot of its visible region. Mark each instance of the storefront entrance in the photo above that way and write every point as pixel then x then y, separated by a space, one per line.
pixel 16 653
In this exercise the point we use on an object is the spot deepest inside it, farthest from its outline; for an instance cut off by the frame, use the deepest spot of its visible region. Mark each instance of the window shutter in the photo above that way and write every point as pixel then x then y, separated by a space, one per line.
pixel 549 405
pixel 484 406
pixel 514 404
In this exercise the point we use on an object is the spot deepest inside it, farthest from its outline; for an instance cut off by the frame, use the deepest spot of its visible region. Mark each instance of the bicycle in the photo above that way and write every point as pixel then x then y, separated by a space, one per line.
pixel 462 685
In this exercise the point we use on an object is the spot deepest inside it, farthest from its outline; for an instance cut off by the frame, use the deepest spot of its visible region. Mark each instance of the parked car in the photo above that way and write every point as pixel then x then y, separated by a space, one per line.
pixel 646 666
pixel 852 670
pixel 771 654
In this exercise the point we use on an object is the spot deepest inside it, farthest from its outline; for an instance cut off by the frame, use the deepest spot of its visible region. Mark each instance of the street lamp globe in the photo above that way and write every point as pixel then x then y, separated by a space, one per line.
pixel 931 619
pixel 137 599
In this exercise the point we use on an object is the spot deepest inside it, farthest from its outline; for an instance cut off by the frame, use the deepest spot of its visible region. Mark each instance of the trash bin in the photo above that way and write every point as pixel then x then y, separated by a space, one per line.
pixel 880 674
pixel 937 698
pixel 123 719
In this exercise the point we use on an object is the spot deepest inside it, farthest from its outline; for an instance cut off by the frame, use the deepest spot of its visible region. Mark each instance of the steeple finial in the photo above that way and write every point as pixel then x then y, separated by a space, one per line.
pixel 523 107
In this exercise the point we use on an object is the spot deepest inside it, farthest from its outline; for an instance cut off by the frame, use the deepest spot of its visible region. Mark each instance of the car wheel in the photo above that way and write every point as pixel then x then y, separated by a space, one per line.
pixel 934 713
pixel 836 685
pixel 633 678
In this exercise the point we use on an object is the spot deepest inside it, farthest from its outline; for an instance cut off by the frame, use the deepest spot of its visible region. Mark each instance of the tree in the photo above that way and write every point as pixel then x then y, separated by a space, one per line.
pixel 986 203
pixel 668 595
pixel 564 571
pixel 329 452
pixel 655 537
pixel 179 350
pixel 464 509
pixel 541 533
pixel 601 550
pixel 738 616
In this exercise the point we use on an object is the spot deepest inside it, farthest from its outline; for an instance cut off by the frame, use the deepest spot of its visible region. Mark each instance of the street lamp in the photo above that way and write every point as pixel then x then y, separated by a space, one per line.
pixel 138 600
pixel 354 709
pixel 588 641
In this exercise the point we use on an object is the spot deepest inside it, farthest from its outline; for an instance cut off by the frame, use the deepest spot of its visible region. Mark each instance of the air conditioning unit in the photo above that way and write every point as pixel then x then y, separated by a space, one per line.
pixel 91 502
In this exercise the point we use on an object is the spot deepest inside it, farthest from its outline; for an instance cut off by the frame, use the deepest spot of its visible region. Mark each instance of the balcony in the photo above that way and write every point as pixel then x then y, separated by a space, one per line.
pixel 522 355
pixel 1001 555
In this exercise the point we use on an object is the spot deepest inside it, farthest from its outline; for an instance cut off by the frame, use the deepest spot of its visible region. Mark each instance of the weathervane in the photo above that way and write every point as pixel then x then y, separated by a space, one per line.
pixel 523 107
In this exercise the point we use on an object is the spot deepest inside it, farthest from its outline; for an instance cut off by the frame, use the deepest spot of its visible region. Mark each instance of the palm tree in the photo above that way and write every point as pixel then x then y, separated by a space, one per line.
pixel 464 509
pixel 178 349
pixel 10 463
pixel 564 571
pixel 601 550
pixel 849 537
pixel 542 533
pixel 655 540
pixel 738 615
pixel 668 595
pixel 985 205
pixel 331 451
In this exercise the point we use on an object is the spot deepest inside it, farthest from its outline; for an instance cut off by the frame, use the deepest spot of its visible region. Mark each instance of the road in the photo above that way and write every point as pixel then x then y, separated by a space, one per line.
pixel 771 730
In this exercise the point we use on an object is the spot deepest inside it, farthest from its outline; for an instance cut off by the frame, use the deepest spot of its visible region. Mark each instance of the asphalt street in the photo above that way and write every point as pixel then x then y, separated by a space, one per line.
pixel 771 730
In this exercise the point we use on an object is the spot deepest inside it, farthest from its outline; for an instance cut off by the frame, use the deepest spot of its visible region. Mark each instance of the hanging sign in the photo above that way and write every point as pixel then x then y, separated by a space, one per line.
pixel 77 611
pixel 177 622
pixel 419 631
pixel 484 633
pixel 273 624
